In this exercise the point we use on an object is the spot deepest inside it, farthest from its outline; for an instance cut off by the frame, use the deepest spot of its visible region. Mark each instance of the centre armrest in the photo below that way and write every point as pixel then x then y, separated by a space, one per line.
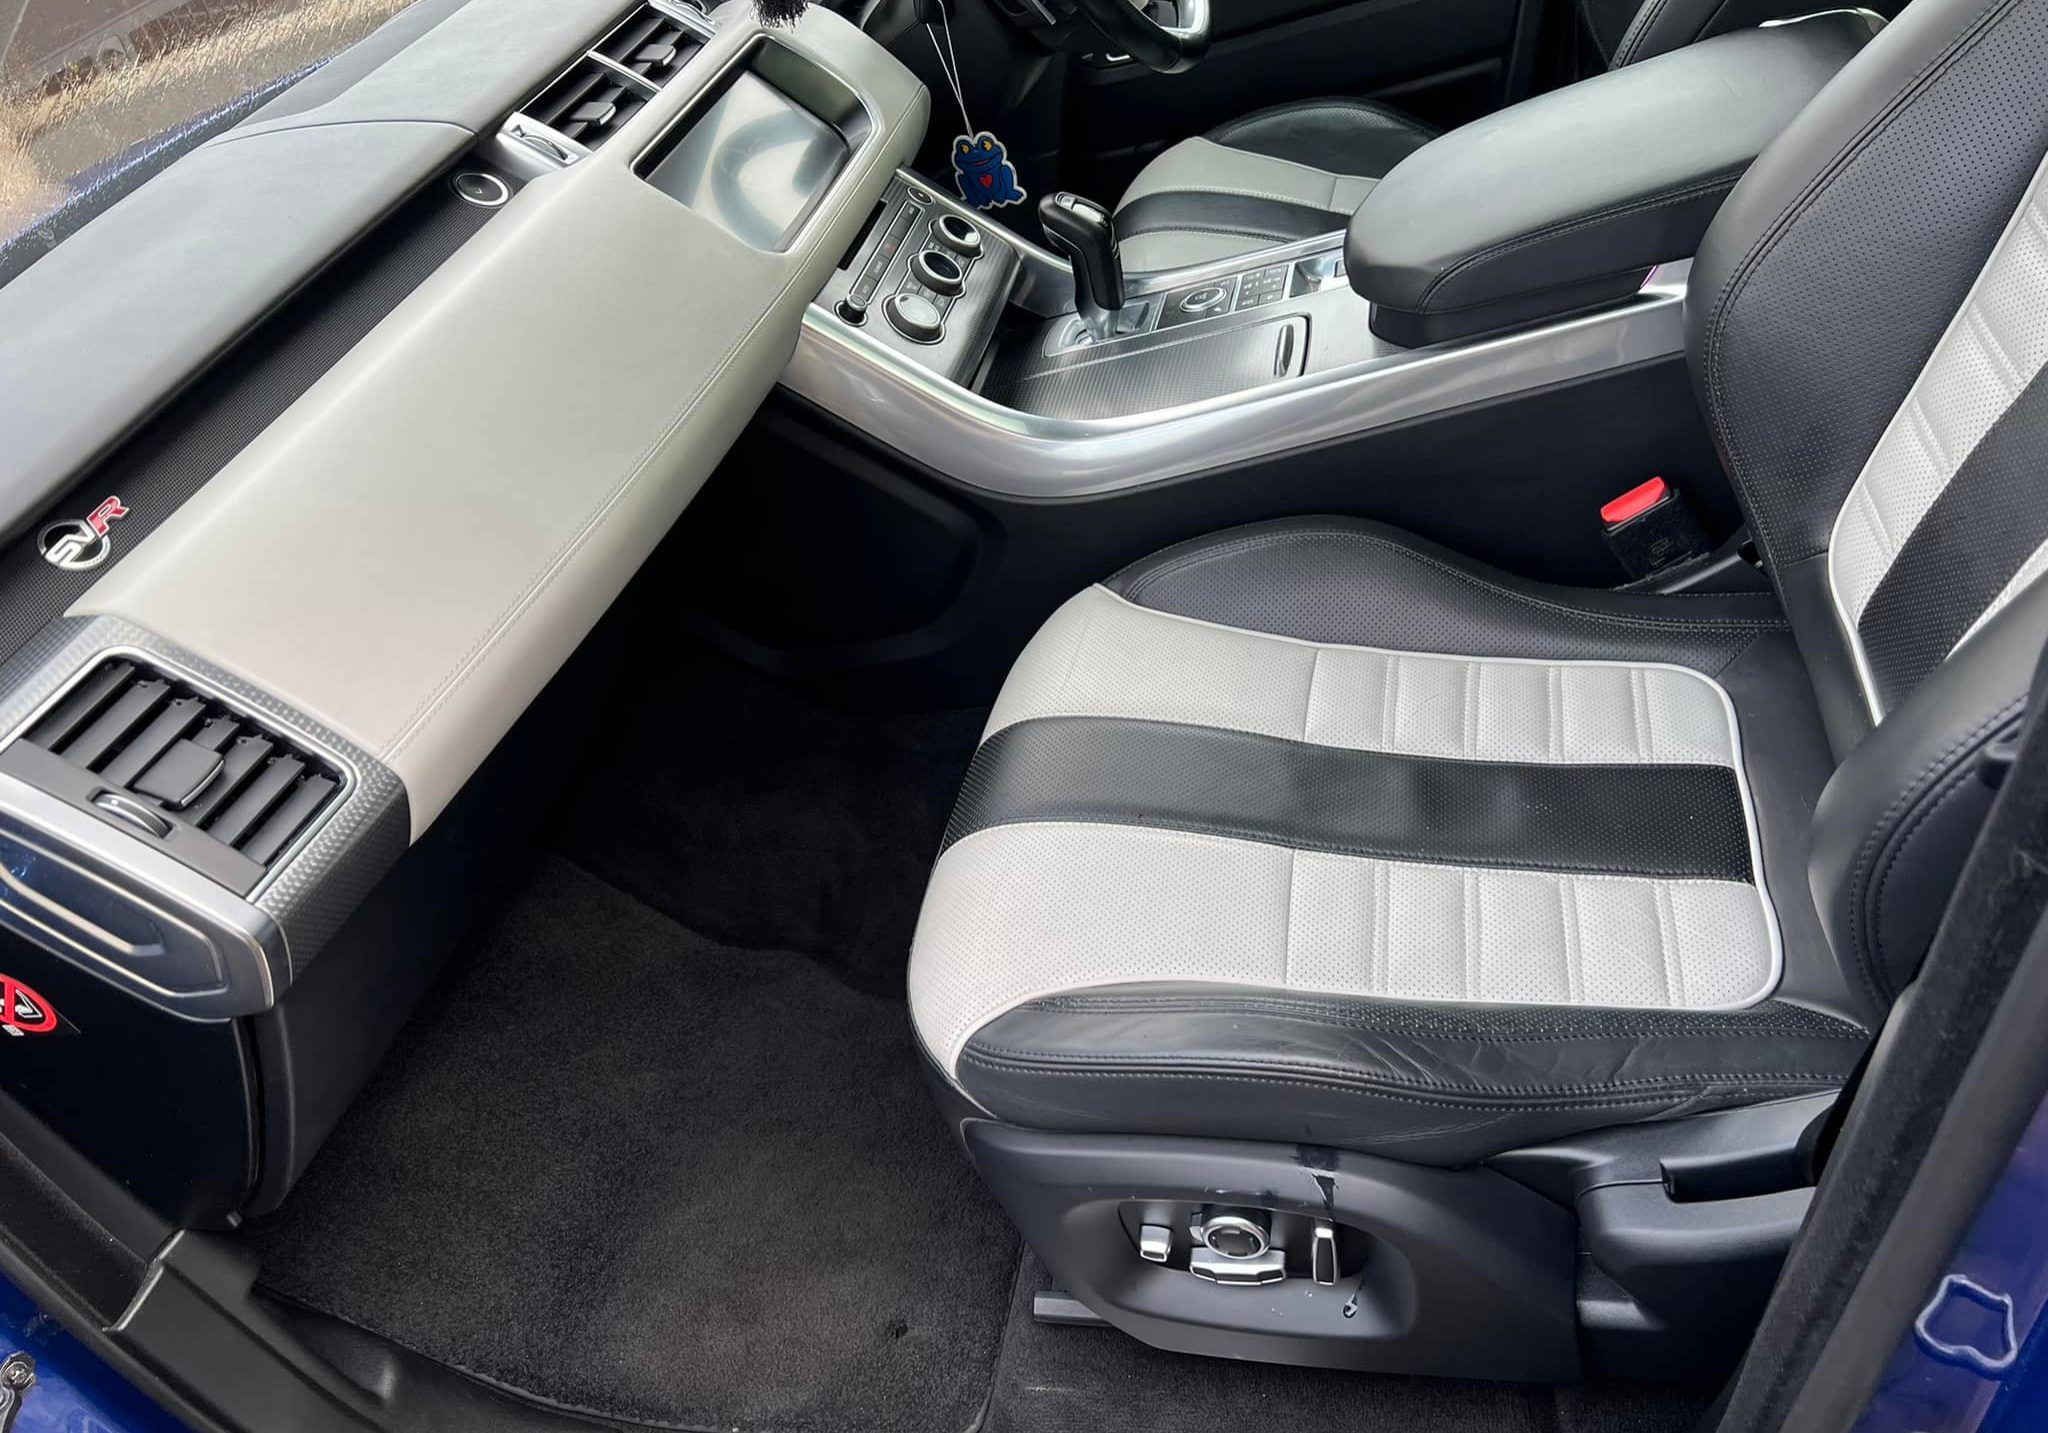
pixel 1565 201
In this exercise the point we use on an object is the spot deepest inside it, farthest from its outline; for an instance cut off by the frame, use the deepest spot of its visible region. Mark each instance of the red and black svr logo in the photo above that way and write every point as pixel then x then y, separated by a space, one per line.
pixel 23 1012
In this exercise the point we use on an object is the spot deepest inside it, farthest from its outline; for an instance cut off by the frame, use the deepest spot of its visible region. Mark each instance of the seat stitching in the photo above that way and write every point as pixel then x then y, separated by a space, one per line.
pixel 1141 1063
pixel 1645 21
pixel 1721 307
pixel 1679 1025
pixel 1591 1096
pixel 1292 200
pixel 1956 780
pixel 1883 830
pixel 1557 231
pixel 1780 1017
pixel 1190 228
pixel 1227 830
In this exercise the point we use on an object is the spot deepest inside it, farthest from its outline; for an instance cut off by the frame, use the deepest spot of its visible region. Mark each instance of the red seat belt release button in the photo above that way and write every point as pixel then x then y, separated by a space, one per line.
pixel 1635 502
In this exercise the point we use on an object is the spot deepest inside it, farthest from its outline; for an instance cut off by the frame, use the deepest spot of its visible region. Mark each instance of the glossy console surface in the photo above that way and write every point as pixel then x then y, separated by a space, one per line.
pixel 756 162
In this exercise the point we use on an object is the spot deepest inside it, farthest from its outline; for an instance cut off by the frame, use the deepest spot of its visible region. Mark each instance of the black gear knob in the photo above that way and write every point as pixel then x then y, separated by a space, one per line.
pixel 1084 231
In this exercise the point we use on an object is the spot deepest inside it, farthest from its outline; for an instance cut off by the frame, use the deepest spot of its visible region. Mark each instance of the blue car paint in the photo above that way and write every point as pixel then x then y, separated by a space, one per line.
pixel 1976 1360
pixel 74 1391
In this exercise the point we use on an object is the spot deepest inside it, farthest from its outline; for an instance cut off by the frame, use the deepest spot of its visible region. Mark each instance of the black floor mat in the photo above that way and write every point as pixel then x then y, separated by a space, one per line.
pixel 1094 1380
pixel 763 820
pixel 628 1170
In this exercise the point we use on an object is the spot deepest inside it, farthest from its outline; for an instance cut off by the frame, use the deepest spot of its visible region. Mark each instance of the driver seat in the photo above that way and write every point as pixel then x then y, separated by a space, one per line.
pixel 1299 170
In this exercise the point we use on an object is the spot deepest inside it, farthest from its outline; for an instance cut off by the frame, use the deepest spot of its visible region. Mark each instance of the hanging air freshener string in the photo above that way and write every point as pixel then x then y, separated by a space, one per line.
pixel 949 66
pixel 981 165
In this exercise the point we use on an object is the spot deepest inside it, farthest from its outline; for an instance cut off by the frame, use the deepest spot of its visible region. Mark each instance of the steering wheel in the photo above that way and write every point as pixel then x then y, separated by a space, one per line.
pixel 1131 29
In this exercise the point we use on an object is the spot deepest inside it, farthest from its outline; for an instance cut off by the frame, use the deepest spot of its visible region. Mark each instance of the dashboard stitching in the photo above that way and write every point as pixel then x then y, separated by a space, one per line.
pixel 417 720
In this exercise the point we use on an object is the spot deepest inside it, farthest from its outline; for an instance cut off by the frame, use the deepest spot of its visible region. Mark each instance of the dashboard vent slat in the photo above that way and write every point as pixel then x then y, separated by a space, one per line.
pixel 158 739
pixel 140 754
pixel 589 103
pixel 652 45
pixel 85 702
pixel 126 712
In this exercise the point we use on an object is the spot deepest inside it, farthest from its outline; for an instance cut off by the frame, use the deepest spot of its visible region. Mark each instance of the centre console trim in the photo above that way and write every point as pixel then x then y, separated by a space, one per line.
pixel 973 440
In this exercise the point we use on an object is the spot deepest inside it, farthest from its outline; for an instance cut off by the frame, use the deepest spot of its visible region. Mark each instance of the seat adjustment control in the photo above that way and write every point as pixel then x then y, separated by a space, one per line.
pixel 1323 1253
pixel 1235 1233
pixel 1235 1246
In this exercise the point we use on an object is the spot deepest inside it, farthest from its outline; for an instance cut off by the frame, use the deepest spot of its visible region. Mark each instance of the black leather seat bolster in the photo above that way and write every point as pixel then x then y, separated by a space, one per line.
pixel 1342 136
pixel 1427 1083
pixel 1586 188
pixel 1349 580
pixel 1886 856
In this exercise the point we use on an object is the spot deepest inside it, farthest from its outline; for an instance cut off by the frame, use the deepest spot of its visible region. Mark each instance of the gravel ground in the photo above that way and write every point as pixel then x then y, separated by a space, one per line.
pixel 84 83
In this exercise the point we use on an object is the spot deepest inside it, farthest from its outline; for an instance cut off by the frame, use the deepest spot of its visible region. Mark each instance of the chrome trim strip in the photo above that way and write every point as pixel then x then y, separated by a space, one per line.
pixel 254 962
pixel 957 432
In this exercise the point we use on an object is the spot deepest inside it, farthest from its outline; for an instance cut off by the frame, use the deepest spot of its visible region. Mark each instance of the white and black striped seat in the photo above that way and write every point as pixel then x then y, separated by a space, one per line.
pixel 1311 832
pixel 1245 853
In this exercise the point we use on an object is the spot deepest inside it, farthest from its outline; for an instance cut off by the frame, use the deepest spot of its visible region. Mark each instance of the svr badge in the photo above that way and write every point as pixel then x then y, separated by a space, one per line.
pixel 982 168
pixel 79 544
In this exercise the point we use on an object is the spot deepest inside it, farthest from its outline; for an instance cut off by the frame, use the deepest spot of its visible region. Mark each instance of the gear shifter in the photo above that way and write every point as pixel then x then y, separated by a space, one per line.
pixel 1084 231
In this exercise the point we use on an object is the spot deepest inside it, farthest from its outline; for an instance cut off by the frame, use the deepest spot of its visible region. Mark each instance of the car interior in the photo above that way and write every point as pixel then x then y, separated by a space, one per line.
pixel 1026 715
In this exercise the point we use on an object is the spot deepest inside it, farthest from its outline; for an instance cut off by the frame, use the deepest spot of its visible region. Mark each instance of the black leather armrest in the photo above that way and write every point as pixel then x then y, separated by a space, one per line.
pixel 1563 202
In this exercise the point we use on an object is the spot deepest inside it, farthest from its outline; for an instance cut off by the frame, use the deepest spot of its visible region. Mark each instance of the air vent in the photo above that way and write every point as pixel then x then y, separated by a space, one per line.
pixel 588 103
pixel 163 750
pixel 651 44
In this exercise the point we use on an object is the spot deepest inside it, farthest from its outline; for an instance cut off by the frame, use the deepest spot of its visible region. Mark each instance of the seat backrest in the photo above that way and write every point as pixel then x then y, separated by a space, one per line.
pixel 1624 31
pixel 1868 328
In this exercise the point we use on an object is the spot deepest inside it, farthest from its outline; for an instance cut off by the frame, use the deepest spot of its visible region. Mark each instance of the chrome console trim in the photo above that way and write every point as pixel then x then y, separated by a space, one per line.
pixel 957 432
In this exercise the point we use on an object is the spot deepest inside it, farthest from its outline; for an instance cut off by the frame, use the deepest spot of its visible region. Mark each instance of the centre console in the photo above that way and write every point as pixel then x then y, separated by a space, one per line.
pixel 1547 244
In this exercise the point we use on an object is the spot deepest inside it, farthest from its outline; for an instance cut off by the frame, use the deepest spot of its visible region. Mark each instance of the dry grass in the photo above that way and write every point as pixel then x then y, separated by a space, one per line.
pixel 62 128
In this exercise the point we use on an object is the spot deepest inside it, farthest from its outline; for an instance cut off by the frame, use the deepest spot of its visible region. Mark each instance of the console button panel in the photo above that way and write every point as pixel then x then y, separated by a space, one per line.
pixel 929 280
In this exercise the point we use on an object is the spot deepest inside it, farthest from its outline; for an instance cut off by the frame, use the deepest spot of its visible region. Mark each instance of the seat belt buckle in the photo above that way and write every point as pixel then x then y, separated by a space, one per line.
pixel 1651 528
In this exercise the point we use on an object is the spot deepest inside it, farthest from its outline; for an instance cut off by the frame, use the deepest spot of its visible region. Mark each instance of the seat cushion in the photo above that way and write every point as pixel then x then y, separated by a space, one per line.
pixel 1287 173
pixel 1310 831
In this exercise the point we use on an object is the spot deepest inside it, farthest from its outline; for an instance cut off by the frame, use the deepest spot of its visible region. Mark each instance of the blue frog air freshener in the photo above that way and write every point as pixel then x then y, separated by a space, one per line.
pixel 982 169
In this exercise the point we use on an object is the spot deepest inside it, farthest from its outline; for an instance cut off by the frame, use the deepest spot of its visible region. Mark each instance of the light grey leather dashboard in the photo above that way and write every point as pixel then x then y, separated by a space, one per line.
pixel 103 329
pixel 410 552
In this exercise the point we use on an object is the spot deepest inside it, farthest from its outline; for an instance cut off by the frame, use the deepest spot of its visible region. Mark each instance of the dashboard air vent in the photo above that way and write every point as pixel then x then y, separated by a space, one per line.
pixel 651 44
pixel 588 103
pixel 162 742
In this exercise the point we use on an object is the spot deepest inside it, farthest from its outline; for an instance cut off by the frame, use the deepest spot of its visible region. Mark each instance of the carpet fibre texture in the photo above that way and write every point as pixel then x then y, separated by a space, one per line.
pixel 632 1172
pixel 1054 1379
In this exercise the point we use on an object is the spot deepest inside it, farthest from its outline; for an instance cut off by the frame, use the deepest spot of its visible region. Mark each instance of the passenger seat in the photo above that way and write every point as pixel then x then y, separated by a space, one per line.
pixel 1307 872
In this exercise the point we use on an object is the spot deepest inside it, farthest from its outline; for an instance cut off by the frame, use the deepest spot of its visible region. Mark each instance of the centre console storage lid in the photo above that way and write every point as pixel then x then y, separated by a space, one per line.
pixel 1565 201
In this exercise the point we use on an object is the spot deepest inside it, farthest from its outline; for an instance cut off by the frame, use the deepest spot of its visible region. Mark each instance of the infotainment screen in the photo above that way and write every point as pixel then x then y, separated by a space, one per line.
pixel 756 162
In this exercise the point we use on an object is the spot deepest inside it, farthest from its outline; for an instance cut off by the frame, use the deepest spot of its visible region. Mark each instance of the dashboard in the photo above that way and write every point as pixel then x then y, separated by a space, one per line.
pixel 332 443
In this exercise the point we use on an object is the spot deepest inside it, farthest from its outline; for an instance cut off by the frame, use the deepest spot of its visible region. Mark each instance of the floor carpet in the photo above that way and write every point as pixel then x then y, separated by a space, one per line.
pixel 1055 1379
pixel 634 1172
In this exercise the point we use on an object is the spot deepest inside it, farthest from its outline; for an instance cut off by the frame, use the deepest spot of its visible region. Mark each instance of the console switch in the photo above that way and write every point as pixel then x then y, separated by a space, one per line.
pixel 916 317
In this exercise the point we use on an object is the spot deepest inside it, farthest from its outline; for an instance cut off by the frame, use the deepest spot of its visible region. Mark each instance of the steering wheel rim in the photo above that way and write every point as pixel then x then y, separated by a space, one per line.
pixel 1168 49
